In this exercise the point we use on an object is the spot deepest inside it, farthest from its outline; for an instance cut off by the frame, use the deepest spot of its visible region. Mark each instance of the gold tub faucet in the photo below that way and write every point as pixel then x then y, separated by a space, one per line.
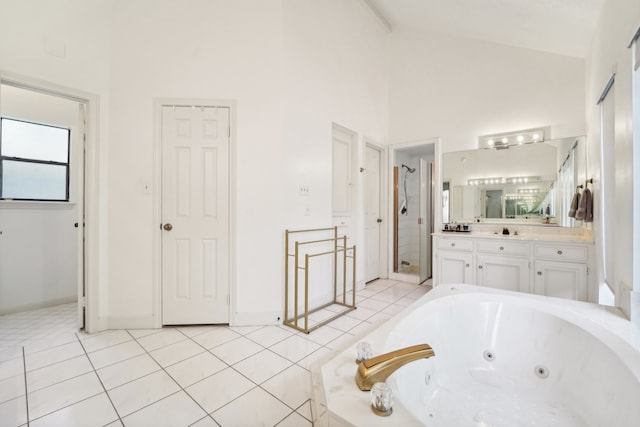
pixel 378 369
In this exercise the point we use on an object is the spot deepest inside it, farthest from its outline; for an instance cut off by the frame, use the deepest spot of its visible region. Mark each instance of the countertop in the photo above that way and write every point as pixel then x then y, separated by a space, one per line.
pixel 550 237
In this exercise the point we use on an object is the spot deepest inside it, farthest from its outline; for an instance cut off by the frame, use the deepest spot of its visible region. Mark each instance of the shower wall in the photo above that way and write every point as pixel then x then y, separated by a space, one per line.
pixel 408 233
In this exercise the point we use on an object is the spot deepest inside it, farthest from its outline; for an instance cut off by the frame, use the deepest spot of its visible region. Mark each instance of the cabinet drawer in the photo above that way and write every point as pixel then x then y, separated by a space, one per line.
pixel 561 252
pixel 455 244
pixel 504 248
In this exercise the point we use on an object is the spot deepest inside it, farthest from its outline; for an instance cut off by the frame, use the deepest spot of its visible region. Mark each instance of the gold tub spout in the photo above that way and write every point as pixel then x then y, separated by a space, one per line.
pixel 378 369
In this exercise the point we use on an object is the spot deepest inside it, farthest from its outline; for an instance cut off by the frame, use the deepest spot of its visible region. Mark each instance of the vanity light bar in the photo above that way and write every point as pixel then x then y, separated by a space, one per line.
pixel 522 179
pixel 521 198
pixel 507 139
pixel 485 181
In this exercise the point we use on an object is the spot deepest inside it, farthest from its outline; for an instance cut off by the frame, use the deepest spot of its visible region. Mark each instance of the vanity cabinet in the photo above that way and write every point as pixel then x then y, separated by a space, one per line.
pixel 508 273
pixel 560 270
pixel 561 279
pixel 557 269
pixel 454 259
pixel 503 264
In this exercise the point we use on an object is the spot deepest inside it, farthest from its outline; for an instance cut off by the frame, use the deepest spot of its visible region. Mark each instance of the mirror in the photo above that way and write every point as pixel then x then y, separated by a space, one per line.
pixel 530 183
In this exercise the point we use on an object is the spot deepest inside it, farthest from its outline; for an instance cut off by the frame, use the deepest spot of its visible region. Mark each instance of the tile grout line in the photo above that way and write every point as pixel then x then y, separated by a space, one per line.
pixel 387 302
pixel 256 385
pixel 293 410
pixel 170 376
pixel 100 379
pixel 26 390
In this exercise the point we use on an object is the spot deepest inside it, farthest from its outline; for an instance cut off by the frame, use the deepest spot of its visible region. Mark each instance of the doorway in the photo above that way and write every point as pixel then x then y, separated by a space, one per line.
pixel 195 214
pixel 35 216
pixel 493 204
pixel 412 209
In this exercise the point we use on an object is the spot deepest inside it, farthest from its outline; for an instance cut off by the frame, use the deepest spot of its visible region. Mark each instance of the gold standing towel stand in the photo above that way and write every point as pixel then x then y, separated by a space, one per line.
pixel 339 245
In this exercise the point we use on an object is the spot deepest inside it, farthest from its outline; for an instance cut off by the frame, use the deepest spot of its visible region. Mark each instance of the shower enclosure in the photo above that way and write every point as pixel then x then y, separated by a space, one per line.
pixel 413 212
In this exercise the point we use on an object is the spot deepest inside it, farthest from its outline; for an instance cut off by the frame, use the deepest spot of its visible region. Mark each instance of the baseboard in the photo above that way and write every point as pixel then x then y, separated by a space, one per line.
pixel 256 319
pixel 124 322
pixel 39 305
pixel 147 322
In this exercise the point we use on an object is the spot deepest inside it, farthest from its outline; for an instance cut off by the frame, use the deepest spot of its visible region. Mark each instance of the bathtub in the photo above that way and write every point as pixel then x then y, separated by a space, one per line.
pixel 503 359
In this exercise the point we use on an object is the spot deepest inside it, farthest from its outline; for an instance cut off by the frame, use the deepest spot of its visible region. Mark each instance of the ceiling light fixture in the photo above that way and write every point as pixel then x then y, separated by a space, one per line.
pixel 507 139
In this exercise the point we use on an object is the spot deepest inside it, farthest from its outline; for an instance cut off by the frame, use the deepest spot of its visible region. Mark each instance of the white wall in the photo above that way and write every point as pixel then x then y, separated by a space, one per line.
pixel 459 89
pixel 292 67
pixel 66 44
pixel 620 20
pixel 37 257
pixel 335 71
pixel 38 240
pixel 205 50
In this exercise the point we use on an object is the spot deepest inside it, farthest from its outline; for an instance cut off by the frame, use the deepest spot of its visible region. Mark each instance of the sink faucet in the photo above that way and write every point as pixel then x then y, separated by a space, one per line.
pixel 378 369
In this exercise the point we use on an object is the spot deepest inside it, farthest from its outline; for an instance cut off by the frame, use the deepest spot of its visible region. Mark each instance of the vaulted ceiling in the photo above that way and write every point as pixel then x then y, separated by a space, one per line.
pixel 559 26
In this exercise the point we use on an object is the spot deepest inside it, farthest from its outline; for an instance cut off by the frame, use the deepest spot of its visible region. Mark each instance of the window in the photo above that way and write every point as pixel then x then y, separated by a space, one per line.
pixel 34 161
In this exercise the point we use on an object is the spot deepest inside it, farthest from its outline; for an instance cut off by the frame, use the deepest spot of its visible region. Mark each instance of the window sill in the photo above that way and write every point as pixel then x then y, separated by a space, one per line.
pixel 30 204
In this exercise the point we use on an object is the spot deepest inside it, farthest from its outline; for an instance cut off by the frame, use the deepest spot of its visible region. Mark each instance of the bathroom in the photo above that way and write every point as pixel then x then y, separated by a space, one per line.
pixel 291 79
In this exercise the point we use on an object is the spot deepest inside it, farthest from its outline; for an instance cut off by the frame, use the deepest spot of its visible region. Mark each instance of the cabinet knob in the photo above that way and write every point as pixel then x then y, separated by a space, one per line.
pixel 502 248
pixel 559 252
pixel 480 267
pixel 539 273
pixel 453 245
pixel 467 265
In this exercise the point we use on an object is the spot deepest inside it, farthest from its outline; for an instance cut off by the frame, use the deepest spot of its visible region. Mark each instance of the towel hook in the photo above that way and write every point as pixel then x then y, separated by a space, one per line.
pixel 588 181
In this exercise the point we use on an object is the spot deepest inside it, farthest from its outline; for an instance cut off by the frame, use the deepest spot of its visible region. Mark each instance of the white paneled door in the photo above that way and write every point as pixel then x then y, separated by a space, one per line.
pixel 195 215
pixel 372 217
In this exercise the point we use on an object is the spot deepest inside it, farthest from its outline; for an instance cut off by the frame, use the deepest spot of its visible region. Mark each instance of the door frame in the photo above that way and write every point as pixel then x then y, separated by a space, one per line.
pixel 437 203
pixel 89 260
pixel 158 103
pixel 383 200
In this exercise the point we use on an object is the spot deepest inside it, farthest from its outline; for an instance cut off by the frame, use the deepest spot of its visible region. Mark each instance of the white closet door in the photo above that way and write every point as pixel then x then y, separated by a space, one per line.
pixel 195 214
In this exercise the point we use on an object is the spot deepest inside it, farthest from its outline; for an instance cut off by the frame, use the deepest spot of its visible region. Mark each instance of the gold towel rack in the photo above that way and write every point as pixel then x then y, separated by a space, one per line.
pixel 339 252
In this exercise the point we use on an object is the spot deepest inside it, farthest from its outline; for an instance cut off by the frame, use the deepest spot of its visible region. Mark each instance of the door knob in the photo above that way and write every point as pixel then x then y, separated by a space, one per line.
pixel 167 227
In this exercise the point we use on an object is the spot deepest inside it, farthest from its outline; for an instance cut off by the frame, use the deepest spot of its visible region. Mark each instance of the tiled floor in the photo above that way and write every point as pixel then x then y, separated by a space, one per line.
pixel 53 375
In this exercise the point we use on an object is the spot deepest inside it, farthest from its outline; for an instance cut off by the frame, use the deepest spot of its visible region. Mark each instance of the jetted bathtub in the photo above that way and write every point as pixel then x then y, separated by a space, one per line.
pixel 502 359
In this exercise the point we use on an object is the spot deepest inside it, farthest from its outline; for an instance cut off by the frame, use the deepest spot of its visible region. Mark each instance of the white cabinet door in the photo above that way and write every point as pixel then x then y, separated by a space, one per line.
pixel 509 273
pixel 454 267
pixel 561 279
